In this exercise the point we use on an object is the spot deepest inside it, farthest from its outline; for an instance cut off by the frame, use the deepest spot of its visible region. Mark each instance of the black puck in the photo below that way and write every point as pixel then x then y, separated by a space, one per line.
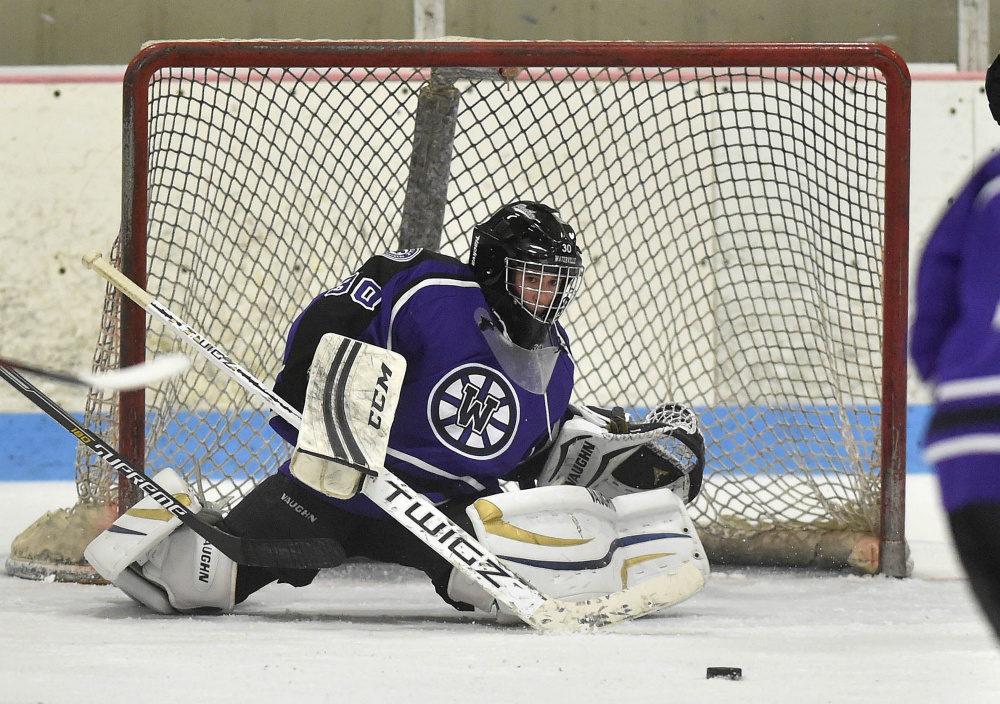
pixel 725 673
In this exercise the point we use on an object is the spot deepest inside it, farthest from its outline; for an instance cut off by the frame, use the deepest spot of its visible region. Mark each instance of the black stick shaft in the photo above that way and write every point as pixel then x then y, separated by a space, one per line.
pixel 303 554
pixel 47 373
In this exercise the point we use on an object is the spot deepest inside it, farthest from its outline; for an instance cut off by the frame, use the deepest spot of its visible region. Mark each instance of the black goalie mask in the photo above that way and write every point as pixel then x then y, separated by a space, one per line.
pixel 527 262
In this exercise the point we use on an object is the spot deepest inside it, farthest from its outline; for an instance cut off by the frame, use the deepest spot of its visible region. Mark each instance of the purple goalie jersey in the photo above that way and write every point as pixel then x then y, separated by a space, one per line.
pixel 468 413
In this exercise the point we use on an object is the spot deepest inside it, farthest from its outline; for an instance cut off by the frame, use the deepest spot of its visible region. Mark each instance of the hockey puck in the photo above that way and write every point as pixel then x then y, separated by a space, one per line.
pixel 725 673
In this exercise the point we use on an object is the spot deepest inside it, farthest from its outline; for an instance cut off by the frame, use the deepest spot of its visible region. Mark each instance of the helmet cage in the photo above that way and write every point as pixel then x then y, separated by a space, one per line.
pixel 542 290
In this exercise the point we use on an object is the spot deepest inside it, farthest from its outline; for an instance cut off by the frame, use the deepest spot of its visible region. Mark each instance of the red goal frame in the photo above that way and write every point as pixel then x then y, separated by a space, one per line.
pixel 499 54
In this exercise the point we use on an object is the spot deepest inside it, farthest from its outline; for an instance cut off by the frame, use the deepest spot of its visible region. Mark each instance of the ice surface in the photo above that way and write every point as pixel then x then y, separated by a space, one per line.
pixel 370 634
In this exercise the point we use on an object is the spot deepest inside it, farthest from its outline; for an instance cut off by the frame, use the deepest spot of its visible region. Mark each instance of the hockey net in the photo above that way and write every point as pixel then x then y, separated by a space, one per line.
pixel 742 209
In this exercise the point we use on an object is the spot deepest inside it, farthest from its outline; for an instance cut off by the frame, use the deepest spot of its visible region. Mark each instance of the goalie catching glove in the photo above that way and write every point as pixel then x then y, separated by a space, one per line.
pixel 608 452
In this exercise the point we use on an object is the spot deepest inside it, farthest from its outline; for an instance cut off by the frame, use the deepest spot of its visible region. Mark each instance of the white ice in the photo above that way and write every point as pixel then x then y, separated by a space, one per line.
pixel 381 635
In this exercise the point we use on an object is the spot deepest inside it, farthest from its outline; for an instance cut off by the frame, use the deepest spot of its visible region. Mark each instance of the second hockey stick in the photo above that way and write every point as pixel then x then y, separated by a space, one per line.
pixel 418 515
pixel 308 554
pixel 134 377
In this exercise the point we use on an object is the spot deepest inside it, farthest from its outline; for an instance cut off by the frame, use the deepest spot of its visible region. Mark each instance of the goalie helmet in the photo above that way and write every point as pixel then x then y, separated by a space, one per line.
pixel 527 262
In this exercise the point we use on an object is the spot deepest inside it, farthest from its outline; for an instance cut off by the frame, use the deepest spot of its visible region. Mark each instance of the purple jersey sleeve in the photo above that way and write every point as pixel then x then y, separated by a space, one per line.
pixel 348 309
pixel 953 335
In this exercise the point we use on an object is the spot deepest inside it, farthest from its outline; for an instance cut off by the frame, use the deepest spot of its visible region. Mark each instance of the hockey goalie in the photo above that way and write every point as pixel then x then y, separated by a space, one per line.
pixel 466 394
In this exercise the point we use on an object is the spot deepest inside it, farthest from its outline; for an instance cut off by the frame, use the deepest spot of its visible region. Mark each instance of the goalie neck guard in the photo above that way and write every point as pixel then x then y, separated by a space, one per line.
pixel 527 262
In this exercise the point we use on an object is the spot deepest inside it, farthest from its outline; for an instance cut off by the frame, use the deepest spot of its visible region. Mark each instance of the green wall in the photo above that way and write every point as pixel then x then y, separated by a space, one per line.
pixel 57 32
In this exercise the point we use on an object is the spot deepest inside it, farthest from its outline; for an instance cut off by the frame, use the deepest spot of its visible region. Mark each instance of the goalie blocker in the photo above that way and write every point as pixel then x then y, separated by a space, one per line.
pixel 350 402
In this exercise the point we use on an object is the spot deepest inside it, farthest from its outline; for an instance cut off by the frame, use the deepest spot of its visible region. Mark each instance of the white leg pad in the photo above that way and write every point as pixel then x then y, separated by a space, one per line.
pixel 144 591
pixel 139 530
pixel 464 590
pixel 461 588
pixel 195 574
pixel 572 543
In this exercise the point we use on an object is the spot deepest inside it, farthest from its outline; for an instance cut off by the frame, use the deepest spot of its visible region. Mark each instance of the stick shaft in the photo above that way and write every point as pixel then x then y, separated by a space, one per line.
pixel 196 340
pixel 299 553
pixel 134 377
pixel 47 373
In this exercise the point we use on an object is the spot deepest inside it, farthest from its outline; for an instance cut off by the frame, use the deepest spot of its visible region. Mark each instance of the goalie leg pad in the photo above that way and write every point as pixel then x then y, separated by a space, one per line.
pixel 130 538
pixel 462 589
pixel 151 556
pixel 142 590
pixel 196 575
pixel 572 543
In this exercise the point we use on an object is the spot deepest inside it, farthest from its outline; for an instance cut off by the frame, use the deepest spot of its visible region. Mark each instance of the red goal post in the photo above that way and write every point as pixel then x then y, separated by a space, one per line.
pixel 743 209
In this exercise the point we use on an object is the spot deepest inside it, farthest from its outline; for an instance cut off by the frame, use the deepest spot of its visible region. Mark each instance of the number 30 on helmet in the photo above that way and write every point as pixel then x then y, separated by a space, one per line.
pixel 527 262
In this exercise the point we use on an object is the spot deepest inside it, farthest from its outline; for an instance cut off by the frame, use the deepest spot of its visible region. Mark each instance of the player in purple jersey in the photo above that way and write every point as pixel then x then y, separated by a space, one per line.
pixel 484 399
pixel 488 380
pixel 955 345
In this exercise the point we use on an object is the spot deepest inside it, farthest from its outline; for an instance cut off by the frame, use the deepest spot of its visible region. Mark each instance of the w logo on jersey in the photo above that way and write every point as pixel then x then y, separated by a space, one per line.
pixel 474 411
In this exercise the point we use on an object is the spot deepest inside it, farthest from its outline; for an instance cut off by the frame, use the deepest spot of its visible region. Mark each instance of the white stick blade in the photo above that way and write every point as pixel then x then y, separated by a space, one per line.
pixel 645 598
pixel 140 375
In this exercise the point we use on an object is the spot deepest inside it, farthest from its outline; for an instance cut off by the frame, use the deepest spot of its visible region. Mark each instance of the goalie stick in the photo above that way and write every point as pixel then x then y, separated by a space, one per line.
pixel 309 554
pixel 135 377
pixel 418 515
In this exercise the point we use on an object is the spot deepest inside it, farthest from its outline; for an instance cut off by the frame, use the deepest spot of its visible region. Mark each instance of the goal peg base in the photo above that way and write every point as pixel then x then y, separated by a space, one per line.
pixel 827 549
pixel 52 547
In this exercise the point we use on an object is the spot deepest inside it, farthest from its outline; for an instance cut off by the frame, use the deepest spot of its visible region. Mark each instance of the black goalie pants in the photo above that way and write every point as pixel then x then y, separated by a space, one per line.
pixel 279 507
